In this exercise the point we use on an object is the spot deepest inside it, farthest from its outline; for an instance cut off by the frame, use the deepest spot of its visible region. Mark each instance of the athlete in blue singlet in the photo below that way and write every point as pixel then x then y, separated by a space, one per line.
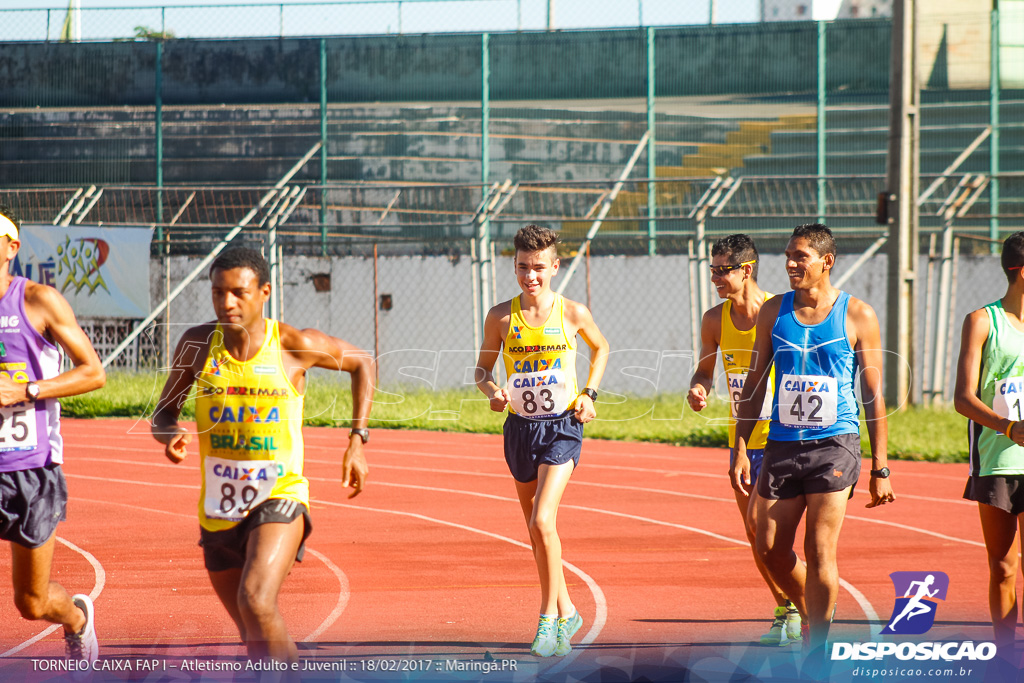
pixel 817 338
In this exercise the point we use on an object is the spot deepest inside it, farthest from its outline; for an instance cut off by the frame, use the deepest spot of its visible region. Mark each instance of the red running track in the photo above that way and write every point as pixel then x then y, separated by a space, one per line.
pixel 430 568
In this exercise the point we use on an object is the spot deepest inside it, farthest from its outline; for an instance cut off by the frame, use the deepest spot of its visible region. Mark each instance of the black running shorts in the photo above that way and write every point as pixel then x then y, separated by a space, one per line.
pixel 32 502
pixel 795 468
pixel 1005 492
pixel 226 549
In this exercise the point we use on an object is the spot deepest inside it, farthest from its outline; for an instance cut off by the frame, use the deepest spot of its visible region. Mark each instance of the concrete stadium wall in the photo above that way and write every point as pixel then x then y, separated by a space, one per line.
pixel 642 305
pixel 707 60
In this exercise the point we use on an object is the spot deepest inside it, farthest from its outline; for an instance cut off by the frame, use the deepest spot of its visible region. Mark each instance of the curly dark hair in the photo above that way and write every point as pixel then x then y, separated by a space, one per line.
pixel 1013 255
pixel 818 236
pixel 535 238
pixel 739 248
pixel 243 257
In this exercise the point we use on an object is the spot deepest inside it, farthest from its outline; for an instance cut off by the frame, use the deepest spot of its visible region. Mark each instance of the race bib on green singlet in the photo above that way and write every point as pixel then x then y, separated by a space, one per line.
pixel 18 428
pixel 235 487
pixel 736 378
pixel 808 401
pixel 1007 401
pixel 539 394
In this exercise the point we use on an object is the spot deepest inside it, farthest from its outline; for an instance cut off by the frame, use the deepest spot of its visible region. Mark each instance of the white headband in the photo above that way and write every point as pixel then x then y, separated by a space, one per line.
pixel 7 227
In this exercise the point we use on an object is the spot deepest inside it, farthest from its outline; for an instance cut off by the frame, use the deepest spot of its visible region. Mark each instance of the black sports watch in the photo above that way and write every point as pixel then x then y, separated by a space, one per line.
pixel 32 391
pixel 592 393
pixel 881 474
pixel 363 434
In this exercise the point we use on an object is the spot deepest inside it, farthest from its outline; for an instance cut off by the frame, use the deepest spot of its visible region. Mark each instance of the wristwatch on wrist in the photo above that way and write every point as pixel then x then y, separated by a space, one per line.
pixel 32 391
pixel 363 434
pixel 592 393
pixel 881 474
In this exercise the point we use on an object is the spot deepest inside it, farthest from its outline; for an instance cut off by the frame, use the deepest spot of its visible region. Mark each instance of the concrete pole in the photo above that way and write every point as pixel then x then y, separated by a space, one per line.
pixel 902 184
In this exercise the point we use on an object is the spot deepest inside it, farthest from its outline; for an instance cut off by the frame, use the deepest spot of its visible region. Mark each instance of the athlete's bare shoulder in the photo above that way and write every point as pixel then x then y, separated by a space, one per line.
pixel 770 308
pixel 502 311
pixel 861 313
pixel 575 311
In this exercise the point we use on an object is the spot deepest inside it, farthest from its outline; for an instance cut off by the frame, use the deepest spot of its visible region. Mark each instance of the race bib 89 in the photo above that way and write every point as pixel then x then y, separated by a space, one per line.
pixel 808 401
pixel 539 394
pixel 235 487
pixel 1007 401
pixel 736 378
pixel 18 428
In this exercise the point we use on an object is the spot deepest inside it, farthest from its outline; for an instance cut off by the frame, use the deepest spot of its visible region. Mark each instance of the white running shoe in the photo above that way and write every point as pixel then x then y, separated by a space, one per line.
pixel 83 645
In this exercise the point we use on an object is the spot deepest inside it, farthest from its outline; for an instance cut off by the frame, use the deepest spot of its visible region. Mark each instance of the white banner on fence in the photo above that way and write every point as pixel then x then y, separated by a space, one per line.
pixel 102 272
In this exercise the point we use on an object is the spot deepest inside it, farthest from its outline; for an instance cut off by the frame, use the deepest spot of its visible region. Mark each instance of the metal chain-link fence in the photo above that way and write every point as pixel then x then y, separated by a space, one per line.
pixel 394 273
pixel 362 17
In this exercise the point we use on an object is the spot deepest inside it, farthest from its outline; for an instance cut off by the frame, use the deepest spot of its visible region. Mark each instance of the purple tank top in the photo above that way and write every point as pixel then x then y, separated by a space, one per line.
pixel 29 432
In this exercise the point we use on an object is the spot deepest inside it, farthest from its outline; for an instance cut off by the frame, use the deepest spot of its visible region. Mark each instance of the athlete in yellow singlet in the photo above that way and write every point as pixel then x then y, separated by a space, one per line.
pixel 730 327
pixel 535 333
pixel 250 374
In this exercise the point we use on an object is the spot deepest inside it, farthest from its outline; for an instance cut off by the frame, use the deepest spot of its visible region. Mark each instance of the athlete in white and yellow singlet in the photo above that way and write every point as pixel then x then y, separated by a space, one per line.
pixel 250 373
pixel 536 335
pixel 730 326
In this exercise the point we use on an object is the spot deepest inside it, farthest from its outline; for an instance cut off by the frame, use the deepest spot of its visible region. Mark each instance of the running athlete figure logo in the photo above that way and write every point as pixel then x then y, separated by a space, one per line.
pixel 917 595
pixel 916 606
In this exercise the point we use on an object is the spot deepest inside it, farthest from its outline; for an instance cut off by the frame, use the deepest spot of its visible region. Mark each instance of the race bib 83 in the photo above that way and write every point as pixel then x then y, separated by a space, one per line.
pixel 539 394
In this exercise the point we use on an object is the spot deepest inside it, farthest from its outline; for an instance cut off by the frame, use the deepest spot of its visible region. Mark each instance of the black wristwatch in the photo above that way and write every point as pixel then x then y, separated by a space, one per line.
pixel 32 391
pixel 881 474
pixel 592 393
pixel 363 434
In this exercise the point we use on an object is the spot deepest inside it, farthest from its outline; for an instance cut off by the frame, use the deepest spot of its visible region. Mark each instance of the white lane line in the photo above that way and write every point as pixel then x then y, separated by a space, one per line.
pixel 917 529
pixel 161 484
pixel 98 585
pixel 343 593
pixel 343 596
pixel 933 499
pixel 860 598
pixel 600 602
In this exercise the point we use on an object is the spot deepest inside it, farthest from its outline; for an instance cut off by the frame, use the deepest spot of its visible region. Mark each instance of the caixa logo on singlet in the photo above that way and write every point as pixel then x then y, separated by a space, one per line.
pixel 917 602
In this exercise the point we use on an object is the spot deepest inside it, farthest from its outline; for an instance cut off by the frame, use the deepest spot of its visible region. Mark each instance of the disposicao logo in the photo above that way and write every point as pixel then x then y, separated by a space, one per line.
pixel 917 596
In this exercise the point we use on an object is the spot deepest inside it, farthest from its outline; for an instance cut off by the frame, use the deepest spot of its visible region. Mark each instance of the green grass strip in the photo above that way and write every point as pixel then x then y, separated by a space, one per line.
pixel 933 434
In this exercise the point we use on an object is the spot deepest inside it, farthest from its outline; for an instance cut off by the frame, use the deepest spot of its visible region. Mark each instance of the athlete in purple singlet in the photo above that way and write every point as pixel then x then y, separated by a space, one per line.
pixel 36 322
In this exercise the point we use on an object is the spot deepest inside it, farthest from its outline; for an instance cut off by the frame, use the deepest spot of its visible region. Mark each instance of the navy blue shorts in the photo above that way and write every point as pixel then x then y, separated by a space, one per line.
pixel 32 502
pixel 755 455
pixel 532 443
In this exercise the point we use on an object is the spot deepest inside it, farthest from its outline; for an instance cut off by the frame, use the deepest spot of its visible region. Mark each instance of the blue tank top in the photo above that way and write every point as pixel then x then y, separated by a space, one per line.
pixel 814 372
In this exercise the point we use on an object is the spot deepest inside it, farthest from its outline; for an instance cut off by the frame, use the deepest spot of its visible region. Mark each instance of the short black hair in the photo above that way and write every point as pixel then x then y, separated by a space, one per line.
pixel 11 215
pixel 739 248
pixel 818 236
pixel 243 257
pixel 1013 255
pixel 535 238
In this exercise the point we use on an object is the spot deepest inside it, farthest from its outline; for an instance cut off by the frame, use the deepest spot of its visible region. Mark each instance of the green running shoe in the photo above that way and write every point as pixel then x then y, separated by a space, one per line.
pixel 567 628
pixel 777 634
pixel 545 642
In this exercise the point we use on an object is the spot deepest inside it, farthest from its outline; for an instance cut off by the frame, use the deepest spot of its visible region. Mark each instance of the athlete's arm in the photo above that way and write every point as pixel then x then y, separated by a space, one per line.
pixel 51 315
pixel 968 377
pixel 868 349
pixel 316 349
pixel 495 328
pixel 704 374
pixel 754 387
pixel 189 357
pixel 580 317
